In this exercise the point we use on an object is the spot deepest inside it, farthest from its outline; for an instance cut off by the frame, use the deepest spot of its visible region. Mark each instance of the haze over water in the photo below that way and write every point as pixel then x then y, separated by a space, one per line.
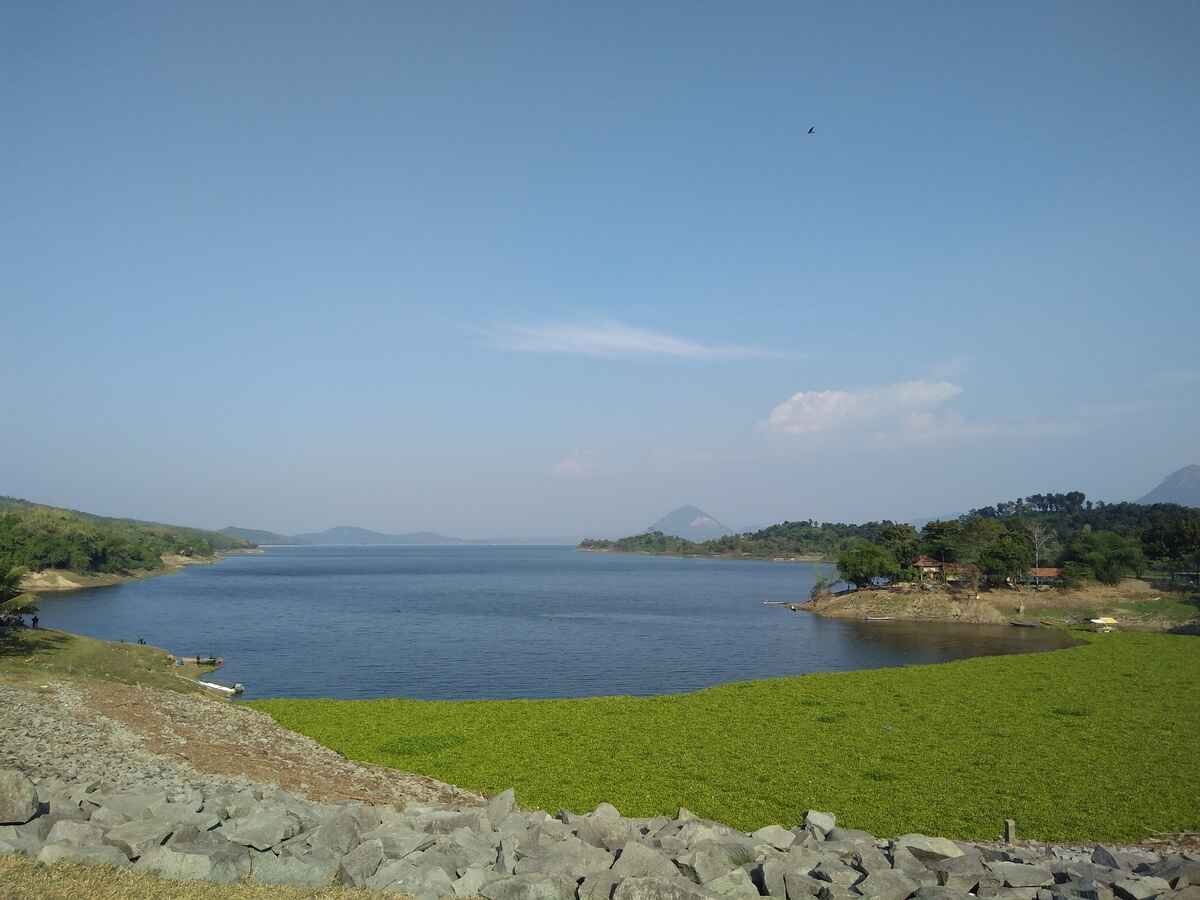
pixel 493 622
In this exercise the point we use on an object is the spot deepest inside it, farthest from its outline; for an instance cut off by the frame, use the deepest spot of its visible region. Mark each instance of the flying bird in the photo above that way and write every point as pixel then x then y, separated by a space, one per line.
pixel 813 130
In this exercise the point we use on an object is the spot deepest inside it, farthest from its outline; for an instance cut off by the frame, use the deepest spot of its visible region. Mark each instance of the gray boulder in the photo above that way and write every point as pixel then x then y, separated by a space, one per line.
pixel 1141 888
pixel 869 859
pixel 820 823
pixel 1087 890
pixel 506 856
pixel 837 873
pixel 598 886
pixel 132 805
pixel 606 832
pixel 360 863
pixel 928 848
pixel 639 861
pixel 469 883
pixel 109 856
pixel 135 837
pixel 935 892
pixel 177 865
pixel 775 835
pixel 18 798
pixel 501 805
pixel 399 843
pixel 339 833
pixel 20 839
pixel 904 860
pixel 106 818
pixel 1178 871
pixel 261 830
pixel 656 889
pixel 424 882
pixel 606 811
pixel 80 834
pixel 735 883
pixel 698 831
pixel 304 871
pixel 570 857
pixel 444 821
pixel 180 814
pixel 709 861
pixel 1019 875
pixel 530 886
pixel 799 886
pixel 887 884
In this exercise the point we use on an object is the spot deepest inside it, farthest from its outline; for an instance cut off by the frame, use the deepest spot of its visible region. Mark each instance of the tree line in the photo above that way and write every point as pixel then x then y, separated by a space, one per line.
pixel 38 537
pixel 1105 541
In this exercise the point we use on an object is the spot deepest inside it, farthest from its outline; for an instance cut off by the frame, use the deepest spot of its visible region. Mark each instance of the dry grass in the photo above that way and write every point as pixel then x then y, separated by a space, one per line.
pixel 27 655
pixel 23 878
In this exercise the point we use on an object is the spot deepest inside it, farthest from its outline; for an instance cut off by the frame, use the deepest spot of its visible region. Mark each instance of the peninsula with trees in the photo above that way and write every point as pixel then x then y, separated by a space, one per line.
pixel 1093 553
pixel 64 549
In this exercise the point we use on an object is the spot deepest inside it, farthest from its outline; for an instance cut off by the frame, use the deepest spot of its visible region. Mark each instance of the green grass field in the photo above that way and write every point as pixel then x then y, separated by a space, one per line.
pixel 1098 742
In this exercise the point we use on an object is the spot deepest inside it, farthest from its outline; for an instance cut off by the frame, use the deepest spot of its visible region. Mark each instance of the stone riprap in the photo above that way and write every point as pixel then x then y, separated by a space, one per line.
pixel 225 833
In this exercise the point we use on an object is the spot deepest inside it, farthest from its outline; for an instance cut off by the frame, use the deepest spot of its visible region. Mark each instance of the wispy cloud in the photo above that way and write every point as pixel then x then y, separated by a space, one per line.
pixel 907 412
pixel 613 339
pixel 811 412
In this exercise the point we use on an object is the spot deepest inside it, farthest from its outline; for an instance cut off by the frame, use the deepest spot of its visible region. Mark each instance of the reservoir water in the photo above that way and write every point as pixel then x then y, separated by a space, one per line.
pixel 462 622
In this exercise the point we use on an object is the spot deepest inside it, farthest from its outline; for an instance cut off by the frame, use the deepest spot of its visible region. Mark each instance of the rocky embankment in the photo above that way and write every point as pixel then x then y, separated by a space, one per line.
pixel 226 833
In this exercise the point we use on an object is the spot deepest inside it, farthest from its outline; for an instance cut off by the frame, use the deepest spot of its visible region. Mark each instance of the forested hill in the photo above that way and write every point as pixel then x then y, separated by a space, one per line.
pixel 785 540
pixel 47 537
pixel 1008 537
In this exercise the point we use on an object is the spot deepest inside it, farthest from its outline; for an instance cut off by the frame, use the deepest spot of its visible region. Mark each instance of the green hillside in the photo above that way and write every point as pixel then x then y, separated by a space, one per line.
pixel 47 537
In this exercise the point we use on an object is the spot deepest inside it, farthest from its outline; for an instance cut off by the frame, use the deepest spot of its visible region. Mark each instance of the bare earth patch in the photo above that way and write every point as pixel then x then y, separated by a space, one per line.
pixel 1134 603
pixel 217 737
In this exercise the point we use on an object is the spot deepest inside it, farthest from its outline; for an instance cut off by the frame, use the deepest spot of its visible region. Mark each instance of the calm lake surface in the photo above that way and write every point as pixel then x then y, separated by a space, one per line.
pixel 472 622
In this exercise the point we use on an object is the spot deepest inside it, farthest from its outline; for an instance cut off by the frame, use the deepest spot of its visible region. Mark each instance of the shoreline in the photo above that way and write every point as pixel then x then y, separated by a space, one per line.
pixel 1134 604
pixel 58 581
pixel 721 556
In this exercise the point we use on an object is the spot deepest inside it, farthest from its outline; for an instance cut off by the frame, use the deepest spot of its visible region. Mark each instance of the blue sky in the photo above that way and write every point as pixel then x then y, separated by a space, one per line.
pixel 541 269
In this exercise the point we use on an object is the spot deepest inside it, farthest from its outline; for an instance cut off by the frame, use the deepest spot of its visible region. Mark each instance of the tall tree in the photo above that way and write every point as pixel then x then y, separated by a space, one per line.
pixel 901 539
pixel 1043 539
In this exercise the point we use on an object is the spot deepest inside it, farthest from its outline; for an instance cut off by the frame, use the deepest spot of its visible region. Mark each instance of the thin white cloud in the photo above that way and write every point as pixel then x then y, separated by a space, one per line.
pixel 812 412
pixel 576 465
pixel 613 339
pixel 907 412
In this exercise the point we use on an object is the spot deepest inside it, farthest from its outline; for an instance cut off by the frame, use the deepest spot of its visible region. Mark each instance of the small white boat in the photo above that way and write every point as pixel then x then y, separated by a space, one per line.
pixel 238 688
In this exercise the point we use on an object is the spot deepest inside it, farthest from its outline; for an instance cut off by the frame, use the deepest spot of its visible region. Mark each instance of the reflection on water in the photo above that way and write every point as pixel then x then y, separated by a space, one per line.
pixel 936 641
pixel 473 622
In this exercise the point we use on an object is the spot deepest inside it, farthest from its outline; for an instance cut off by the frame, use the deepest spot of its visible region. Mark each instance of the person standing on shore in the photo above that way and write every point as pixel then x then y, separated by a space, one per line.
pixel 35 622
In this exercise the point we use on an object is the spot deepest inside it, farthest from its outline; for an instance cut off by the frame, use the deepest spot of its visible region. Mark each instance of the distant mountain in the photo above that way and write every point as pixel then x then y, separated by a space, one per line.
pixel 1182 487
pixel 347 534
pixel 258 536
pixel 692 524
